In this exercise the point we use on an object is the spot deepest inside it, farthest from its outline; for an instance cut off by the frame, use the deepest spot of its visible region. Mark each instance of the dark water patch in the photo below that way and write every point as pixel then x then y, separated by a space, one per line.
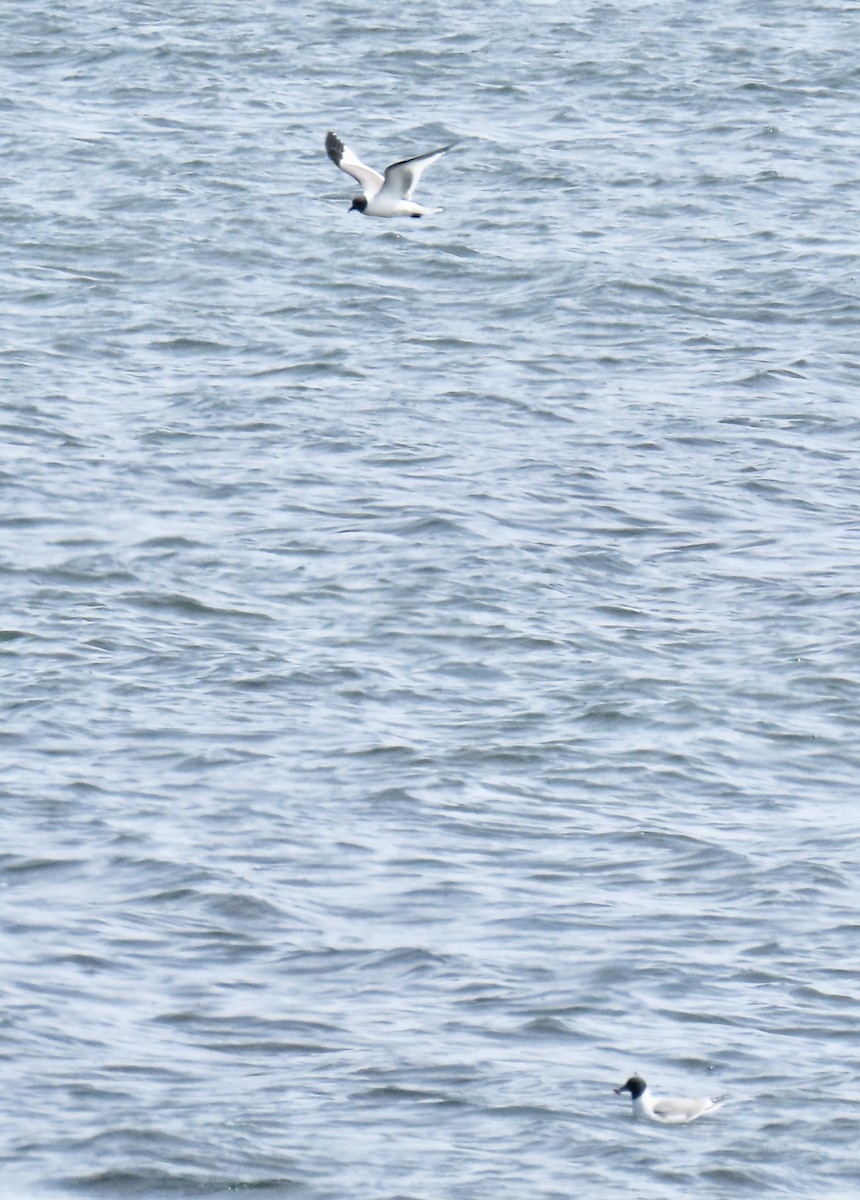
pixel 23 870
pixel 155 1183
pixel 394 1093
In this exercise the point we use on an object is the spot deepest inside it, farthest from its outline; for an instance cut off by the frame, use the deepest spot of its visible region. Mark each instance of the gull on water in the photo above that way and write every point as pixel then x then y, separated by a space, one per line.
pixel 388 195
pixel 671 1110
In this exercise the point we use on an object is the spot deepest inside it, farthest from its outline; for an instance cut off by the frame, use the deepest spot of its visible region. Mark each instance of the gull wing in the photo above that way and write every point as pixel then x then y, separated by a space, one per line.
pixel 370 180
pixel 681 1110
pixel 401 178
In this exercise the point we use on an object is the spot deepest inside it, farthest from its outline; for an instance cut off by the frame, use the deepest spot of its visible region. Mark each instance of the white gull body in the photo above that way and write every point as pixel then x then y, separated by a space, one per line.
pixel 388 195
pixel 670 1110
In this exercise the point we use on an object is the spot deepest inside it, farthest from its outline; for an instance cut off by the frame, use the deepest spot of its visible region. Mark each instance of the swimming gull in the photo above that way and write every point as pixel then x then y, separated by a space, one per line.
pixel 670 1110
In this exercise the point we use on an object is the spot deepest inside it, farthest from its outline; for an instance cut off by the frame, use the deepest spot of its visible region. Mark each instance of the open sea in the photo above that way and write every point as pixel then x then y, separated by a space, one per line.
pixel 430 649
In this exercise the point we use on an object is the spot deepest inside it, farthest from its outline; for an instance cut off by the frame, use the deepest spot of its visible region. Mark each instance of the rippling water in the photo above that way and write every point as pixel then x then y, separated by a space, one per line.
pixel 431 649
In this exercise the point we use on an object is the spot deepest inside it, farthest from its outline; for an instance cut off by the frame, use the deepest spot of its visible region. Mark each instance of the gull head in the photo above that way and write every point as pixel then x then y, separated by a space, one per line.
pixel 359 204
pixel 634 1085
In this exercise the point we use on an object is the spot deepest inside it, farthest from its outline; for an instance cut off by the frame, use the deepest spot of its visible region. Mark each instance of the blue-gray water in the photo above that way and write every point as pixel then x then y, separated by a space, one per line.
pixel 430 650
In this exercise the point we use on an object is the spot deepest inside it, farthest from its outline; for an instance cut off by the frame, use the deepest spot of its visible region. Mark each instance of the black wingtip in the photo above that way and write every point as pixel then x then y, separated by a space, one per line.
pixel 334 147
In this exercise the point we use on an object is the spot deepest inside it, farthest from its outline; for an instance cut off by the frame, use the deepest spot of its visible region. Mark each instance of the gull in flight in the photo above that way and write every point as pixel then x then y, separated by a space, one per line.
pixel 388 195
pixel 671 1111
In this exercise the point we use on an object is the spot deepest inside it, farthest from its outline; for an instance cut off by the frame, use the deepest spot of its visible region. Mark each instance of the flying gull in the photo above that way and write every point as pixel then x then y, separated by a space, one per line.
pixel 671 1111
pixel 388 195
